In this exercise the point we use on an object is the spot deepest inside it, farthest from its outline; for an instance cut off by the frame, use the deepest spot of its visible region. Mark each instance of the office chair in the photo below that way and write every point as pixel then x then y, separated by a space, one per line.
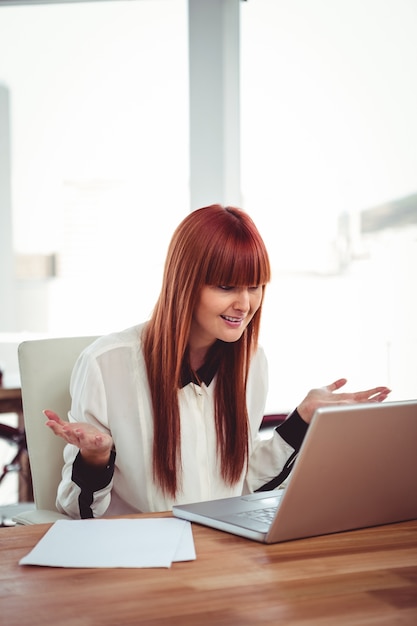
pixel 45 368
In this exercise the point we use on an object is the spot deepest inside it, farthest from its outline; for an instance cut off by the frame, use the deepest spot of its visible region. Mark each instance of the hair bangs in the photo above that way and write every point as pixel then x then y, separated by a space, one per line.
pixel 238 261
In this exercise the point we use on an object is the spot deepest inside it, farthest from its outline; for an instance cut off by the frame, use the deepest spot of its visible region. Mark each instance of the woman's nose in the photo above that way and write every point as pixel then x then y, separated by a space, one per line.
pixel 242 301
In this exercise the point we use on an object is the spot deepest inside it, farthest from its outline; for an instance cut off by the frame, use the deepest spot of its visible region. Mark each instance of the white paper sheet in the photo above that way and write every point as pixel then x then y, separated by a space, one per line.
pixel 155 542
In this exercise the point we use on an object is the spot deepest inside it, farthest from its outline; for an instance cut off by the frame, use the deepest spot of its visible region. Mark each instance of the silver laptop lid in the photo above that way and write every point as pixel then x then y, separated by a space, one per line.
pixel 357 467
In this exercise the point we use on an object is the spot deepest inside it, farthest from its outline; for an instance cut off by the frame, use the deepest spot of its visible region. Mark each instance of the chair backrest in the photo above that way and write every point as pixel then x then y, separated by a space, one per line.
pixel 45 368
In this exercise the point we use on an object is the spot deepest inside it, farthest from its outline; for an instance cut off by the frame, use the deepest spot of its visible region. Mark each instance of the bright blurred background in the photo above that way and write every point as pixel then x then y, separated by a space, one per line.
pixel 96 141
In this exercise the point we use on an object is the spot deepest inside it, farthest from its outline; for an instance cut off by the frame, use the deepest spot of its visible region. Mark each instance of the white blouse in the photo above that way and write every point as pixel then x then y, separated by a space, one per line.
pixel 109 389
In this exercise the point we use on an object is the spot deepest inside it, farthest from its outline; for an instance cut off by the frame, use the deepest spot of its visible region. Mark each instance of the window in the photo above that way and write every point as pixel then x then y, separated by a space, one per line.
pixel 329 172
pixel 98 97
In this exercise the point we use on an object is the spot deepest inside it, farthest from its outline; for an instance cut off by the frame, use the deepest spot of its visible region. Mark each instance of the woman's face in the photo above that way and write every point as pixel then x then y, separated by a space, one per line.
pixel 223 313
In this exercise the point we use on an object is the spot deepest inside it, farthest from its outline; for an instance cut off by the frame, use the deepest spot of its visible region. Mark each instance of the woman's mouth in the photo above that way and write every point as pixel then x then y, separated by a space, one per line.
pixel 234 321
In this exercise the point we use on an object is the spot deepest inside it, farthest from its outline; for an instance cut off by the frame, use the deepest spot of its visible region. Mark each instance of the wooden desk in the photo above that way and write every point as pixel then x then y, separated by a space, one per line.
pixel 11 402
pixel 361 577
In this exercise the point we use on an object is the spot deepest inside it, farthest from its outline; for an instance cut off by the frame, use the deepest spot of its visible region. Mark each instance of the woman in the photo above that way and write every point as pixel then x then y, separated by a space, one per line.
pixel 168 411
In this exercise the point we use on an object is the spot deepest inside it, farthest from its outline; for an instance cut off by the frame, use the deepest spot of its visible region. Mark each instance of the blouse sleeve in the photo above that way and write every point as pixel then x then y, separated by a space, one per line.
pixel 290 433
pixel 85 491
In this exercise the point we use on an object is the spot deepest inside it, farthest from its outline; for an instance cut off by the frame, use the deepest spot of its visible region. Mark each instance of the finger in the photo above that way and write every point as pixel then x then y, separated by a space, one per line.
pixel 379 397
pixel 87 440
pixel 368 394
pixel 61 431
pixel 56 429
pixel 78 436
pixel 98 440
pixel 52 416
pixel 337 384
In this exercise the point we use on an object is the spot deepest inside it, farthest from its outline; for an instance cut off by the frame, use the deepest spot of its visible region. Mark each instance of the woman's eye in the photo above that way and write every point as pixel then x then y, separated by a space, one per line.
pixel 232 287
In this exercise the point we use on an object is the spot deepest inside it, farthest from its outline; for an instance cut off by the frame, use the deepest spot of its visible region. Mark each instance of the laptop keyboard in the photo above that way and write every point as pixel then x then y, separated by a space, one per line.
pixel 260 515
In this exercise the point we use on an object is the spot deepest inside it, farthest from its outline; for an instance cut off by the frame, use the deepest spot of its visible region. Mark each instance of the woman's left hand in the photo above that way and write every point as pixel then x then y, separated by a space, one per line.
pixel 326 396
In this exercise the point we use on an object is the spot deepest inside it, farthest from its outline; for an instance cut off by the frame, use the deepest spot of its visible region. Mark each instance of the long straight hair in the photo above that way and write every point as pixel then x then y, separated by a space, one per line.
pixel 214 245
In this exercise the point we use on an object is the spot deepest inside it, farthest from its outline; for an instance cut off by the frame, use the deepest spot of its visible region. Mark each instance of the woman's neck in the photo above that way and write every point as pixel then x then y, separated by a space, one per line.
pixel 197 358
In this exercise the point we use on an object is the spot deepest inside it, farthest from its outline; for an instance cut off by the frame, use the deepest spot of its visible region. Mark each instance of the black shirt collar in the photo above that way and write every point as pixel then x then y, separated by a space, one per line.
pixel 204 374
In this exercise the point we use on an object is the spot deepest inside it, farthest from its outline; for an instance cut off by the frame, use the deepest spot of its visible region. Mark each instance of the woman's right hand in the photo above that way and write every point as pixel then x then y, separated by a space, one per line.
pixel 95 446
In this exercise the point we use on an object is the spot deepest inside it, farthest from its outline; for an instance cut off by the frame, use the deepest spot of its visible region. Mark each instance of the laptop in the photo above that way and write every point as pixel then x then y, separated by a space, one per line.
pixel 357 467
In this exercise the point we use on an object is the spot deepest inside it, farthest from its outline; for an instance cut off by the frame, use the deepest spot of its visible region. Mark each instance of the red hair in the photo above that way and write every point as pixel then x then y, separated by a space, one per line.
pixel 214 245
